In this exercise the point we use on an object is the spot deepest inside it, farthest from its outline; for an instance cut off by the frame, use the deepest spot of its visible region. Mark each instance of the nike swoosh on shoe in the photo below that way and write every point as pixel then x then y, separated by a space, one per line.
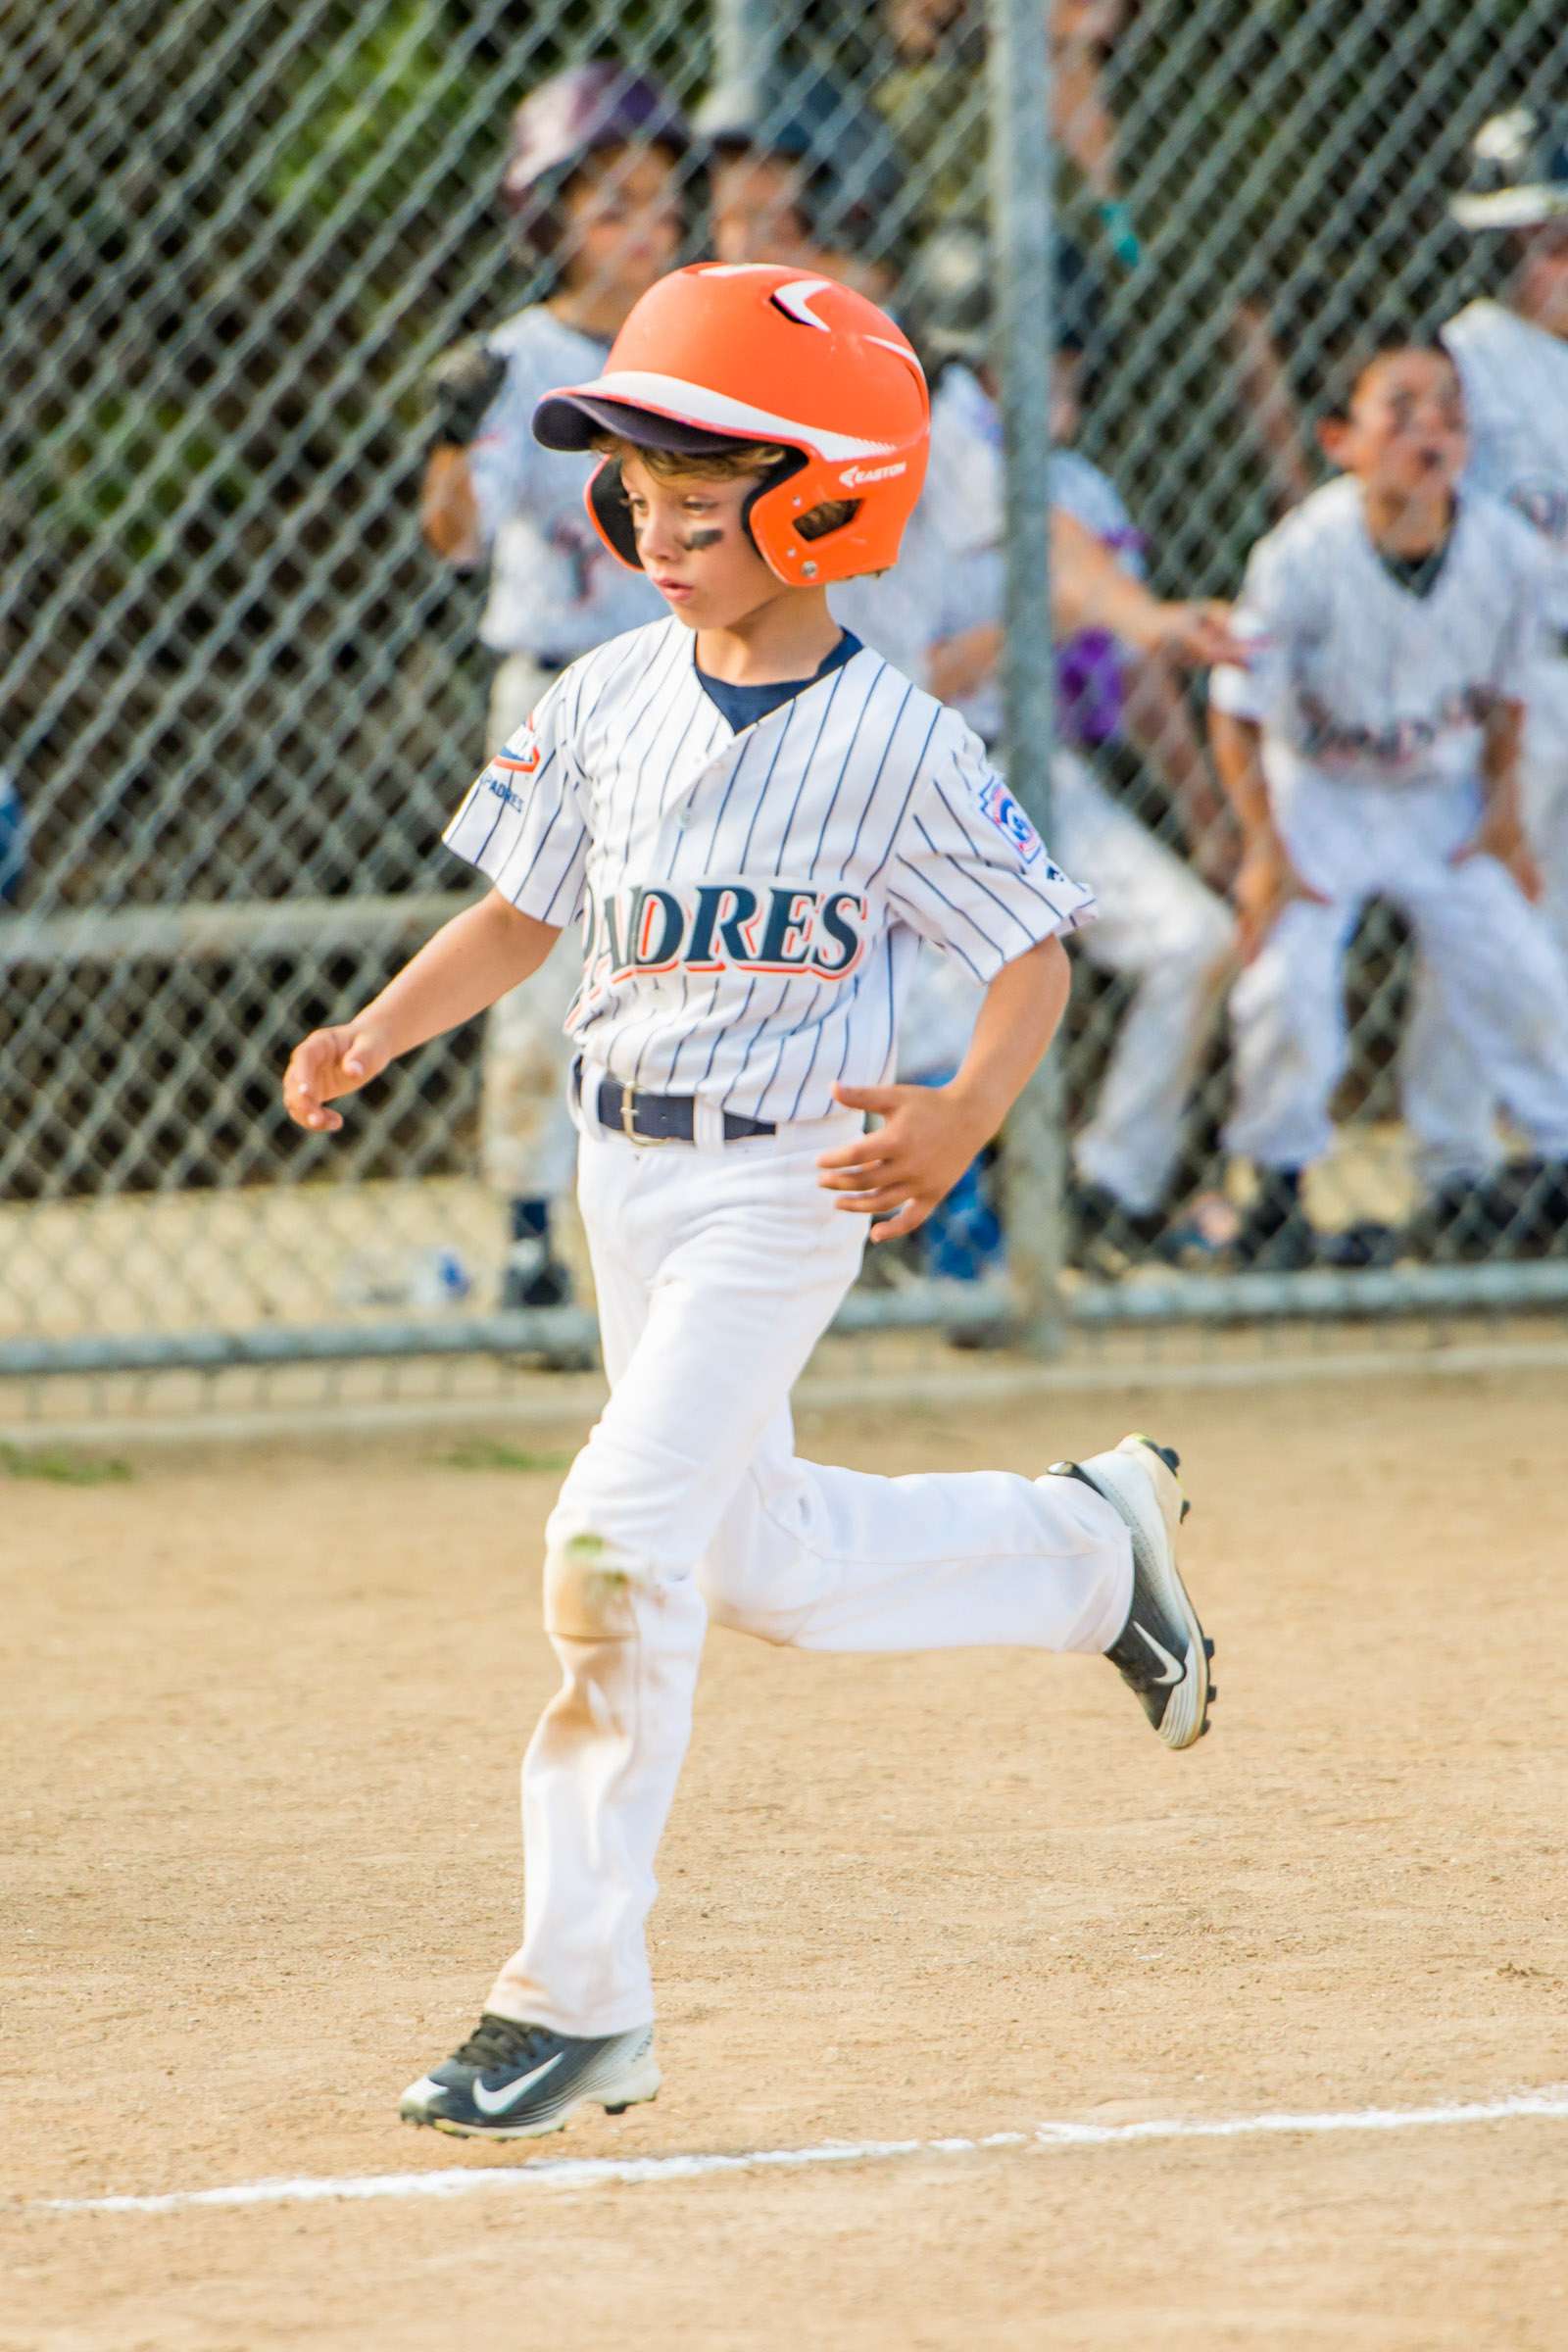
pixel 1174 1669
pixel 501 2102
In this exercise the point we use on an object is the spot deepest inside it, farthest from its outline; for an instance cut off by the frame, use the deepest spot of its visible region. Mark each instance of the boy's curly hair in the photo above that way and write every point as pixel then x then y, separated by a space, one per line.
pixel 733 463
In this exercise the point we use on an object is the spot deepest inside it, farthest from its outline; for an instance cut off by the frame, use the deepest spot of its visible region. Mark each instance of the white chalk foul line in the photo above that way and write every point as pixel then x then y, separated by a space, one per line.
pixel 603 2172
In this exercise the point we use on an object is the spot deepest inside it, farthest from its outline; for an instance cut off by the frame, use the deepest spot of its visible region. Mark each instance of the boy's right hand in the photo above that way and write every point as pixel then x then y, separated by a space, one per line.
pixel 328 1062
pixel 1266 882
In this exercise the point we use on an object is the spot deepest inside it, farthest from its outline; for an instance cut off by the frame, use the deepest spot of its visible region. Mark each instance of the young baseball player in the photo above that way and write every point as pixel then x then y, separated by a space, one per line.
pixel 1372 749
pixel 594 189
pixel 1511 349
pixel 759 821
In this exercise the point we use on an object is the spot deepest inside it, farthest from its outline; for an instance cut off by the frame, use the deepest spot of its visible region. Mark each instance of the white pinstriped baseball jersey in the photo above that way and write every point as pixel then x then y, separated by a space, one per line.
pixel 752 903
pixel 1359 678
pixel 556 590
pixel 1515 379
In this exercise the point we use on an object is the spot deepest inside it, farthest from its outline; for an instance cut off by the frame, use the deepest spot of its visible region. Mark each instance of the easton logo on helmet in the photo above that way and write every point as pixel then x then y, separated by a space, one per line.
pixel 852 477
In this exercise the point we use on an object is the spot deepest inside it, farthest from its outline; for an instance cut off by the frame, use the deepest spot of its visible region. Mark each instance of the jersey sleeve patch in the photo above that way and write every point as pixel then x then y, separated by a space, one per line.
pixel 523 825
pixel 520 754
pixel 997 803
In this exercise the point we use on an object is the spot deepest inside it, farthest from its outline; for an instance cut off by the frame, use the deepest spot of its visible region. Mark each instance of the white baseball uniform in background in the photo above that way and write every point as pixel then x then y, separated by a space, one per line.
pixel 1371 700
pixel 1515 379
pixel 554 592
pixel 753 903
pixel 949 562
pixel 1160 926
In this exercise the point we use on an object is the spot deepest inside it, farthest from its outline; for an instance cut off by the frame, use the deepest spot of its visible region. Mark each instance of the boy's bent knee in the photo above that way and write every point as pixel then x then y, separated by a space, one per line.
pixel 618 1537
pixel 589 1594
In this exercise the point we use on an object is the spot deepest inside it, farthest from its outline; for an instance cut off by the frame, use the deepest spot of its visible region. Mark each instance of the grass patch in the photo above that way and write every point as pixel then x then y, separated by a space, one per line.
pixel 64 1469
pixel 489 1454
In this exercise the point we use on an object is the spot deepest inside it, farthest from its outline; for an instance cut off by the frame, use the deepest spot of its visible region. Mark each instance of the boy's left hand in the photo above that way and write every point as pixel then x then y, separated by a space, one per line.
pixel 1501 836
pixel 927 1139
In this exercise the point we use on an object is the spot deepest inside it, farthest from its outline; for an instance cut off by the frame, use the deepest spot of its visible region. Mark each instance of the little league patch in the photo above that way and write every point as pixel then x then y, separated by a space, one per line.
pixel 997 803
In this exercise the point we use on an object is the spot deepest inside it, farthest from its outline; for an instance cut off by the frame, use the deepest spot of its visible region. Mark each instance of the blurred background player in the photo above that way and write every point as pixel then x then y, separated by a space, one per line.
pixel 1161 927
pixel 1511 349
pixel 594 186
pixel 1371 747
pixel 800 175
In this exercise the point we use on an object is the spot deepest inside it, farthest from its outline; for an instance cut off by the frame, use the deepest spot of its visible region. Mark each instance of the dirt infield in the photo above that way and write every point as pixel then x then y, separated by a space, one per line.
pixel 266 1709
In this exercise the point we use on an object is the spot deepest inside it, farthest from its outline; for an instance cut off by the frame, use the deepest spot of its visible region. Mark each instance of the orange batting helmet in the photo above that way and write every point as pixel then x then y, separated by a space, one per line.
pixel 724 352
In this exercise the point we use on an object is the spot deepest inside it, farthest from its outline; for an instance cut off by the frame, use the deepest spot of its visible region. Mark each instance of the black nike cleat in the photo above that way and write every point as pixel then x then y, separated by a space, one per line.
pixel 1161 1651
pixel 512 2082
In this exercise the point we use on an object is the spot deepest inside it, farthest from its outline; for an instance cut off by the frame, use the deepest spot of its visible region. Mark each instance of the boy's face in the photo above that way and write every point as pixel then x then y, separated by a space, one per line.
pixel 1405 432
pixel 757 211
pixel 694 546
pixel 1540 288
pixel 622 221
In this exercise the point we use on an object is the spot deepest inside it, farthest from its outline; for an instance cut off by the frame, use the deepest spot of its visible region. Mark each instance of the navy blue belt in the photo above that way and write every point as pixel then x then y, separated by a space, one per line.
pixel 645 1118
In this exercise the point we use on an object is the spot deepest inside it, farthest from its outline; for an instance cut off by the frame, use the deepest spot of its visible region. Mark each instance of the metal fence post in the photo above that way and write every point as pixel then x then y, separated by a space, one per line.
pixel 1021 168
pixel 746 35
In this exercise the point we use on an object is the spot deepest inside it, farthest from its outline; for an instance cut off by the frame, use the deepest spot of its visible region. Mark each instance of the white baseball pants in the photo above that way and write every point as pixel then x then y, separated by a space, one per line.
pixel 1495 975
pixel 717 1269
pixel 527 1149
pixel 1450 1097
pixel 1157 925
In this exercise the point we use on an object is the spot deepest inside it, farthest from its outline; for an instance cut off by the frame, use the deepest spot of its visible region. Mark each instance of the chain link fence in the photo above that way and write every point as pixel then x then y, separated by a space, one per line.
pixel 242 690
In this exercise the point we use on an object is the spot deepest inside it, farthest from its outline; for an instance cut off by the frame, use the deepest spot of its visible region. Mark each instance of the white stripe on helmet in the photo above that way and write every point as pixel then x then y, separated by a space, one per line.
pixel 694 403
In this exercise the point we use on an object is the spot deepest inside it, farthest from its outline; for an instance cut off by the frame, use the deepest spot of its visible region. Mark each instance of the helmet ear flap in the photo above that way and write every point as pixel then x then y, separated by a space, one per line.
pixel 612 513
pixel 794 462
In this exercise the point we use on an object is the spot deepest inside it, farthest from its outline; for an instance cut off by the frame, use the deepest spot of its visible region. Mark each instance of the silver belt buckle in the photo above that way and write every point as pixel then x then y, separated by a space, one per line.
pixel 628 1113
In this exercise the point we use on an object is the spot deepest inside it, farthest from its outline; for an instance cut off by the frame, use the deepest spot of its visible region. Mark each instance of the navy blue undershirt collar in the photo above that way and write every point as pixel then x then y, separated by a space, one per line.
pixel 744 705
